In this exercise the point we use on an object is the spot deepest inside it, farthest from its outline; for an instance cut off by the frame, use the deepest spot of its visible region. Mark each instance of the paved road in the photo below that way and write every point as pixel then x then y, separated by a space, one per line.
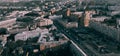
pixel 88 42
pixel 74 38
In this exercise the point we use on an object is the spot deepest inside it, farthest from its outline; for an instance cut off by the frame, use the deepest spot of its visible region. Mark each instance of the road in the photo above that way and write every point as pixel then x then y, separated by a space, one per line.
pixel 92 43
pixel 74 38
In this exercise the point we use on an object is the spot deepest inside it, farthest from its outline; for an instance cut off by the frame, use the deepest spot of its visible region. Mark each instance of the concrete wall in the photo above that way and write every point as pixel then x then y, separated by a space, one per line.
pixel 107 30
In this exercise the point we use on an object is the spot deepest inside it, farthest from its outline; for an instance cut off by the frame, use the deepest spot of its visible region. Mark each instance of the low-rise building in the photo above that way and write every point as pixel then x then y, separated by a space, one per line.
pixel 27 34
pixel 45 22
pixel 99 18
pixel 68 24
pixel 7 23
pixel 55 17
pixel 78 13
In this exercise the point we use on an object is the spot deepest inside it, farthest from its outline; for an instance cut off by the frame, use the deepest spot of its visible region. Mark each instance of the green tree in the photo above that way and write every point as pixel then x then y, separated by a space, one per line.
pixel 26 21
pixel 3 31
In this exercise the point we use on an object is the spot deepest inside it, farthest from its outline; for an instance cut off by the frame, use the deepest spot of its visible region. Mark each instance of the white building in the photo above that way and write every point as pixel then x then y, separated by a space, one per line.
pixel 78 13
pixel 100 18
pixel 27 34
pixel 44 33
pixel 37 9
pixel 55 17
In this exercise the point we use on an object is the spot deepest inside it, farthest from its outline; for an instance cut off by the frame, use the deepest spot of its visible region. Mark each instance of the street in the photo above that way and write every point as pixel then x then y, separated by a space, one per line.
pixel 74 38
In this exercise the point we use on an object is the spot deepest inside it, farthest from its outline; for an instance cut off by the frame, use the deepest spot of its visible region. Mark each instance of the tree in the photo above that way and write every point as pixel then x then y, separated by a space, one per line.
pixel 26 21
pixel 11 45
pixel 34 14
pixel 3 31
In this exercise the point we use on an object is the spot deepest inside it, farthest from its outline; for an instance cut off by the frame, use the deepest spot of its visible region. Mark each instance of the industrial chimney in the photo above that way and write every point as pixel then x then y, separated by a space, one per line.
pixel 87 18
pixel 68 12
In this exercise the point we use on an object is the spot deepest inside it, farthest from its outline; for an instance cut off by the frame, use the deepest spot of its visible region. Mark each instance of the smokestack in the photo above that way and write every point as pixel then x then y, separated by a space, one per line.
pixel 68 12
pixel 87 18
pixel 53 11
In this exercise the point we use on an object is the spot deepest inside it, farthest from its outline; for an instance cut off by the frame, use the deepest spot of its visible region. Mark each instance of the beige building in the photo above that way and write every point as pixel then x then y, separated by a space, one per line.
pixel 45 22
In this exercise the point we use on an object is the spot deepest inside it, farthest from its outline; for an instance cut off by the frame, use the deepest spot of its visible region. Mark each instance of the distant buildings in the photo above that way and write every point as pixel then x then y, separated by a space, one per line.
pixel 9 0
pixel 14 0
pixel 12 18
